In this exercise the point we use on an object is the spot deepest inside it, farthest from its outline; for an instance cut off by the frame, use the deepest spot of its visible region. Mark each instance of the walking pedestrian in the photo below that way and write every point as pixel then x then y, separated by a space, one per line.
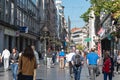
pixel 69 59
pixel 62 59
pixel 49 58
pixel 54 57
pixel 77 62
pixel 36 56
pixel 118 63
pixel 107 64
pixel 92 62
pixel 14 63
pixel 37 60
pixel 27 64
pixel 5 58
pixel 112 65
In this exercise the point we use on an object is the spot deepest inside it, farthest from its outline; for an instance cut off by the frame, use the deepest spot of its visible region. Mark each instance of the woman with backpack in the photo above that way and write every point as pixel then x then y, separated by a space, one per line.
pixel 107 65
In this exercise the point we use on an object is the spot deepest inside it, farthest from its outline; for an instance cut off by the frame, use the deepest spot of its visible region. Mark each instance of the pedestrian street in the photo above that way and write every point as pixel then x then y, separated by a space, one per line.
pixel 54 73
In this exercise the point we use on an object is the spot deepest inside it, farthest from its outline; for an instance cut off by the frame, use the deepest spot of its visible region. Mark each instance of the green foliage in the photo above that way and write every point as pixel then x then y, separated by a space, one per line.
pixel 80 47
pixel 107 6
pixel 85 16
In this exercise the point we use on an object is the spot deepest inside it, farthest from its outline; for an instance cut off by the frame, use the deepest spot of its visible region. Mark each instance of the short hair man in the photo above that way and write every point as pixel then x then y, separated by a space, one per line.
pixel 92 61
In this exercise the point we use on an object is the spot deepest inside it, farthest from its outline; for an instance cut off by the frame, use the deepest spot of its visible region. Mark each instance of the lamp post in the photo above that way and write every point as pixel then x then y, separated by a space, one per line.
pixel 45 30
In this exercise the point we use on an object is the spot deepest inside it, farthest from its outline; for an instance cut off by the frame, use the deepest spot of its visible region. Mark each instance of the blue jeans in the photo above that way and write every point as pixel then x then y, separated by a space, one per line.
pixel 77 72
pixel 14 68
pixel 107 75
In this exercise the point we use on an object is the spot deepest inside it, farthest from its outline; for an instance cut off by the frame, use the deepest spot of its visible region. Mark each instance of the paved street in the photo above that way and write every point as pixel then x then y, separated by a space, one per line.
pixel 53 74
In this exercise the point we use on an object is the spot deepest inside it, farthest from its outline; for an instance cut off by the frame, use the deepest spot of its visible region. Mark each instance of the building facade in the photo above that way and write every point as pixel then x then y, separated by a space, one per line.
pixel 61 24
pixel 78 36
pixel 21 22
pixel 19 25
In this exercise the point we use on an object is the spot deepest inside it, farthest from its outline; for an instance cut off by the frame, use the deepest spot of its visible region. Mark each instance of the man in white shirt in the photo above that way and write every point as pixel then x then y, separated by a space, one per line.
pixel 37 60
pixel 5 56
pixel 69 58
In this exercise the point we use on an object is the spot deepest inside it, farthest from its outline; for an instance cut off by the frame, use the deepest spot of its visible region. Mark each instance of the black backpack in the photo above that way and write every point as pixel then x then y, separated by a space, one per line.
pixel 77 60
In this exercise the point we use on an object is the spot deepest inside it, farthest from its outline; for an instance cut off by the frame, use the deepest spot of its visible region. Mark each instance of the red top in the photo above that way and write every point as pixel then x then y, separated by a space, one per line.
pixel 107 65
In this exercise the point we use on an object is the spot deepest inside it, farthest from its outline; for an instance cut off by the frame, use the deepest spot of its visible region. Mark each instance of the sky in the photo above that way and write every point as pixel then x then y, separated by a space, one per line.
pixel 74 9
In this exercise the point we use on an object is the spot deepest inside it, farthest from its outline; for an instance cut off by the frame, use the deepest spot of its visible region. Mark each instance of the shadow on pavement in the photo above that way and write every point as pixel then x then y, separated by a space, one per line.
pixel 39 79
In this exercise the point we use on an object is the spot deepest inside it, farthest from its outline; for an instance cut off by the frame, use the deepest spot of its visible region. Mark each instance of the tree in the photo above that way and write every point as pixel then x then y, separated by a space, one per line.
pixel 85 16
pixel 107 6
pixel 79 47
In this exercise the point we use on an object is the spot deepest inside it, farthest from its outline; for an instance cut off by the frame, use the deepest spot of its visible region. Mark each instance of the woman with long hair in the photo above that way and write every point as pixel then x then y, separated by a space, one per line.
pixel 107 65
pixel 27 64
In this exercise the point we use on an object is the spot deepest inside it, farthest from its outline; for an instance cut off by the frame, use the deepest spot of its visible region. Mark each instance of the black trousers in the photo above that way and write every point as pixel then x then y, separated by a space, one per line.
pixel 118 66
pixel 70 67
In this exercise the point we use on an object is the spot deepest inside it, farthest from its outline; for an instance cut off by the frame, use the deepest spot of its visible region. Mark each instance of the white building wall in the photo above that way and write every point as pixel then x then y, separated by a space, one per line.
pixel 91 29
pixel 58 7
pixel 80 39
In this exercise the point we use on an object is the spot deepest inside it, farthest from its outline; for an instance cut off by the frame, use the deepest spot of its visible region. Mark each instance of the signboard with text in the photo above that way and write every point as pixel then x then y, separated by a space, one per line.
pixel 87 39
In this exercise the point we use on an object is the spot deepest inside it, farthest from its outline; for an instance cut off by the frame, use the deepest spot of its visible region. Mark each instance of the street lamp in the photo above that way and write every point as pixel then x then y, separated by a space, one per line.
pixel 45 30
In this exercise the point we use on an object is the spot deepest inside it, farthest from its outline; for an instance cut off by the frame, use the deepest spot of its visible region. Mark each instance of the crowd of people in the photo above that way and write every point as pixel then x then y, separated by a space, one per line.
pixel 27 62
pixel 91 59
pixel 24 63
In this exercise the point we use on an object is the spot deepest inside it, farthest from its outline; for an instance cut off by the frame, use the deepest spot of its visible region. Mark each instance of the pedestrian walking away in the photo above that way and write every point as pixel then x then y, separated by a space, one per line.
pixel 49 58
pixel 5 58
pixel 118 64
pixel 92 62
pixel 27 64
pixel 107 64
pixel 37 60
pixel 14 63
pixel 69 59
pixel 62 59
pixel 54 57
pixel 77 62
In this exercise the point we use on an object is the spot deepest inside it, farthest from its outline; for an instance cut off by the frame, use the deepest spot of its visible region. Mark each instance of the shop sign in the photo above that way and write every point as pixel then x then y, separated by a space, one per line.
pixel 23 29
pixel 9 32
pixel 87 39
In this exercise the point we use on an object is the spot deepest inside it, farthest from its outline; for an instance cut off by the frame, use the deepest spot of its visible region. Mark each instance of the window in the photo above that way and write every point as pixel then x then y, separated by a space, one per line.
pixel 34 1
pixel 75 36
pixel 12 13
pixel 77 32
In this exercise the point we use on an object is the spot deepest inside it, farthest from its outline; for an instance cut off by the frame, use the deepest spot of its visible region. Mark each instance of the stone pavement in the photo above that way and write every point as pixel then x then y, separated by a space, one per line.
pixel 54 73
pixel 63 74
